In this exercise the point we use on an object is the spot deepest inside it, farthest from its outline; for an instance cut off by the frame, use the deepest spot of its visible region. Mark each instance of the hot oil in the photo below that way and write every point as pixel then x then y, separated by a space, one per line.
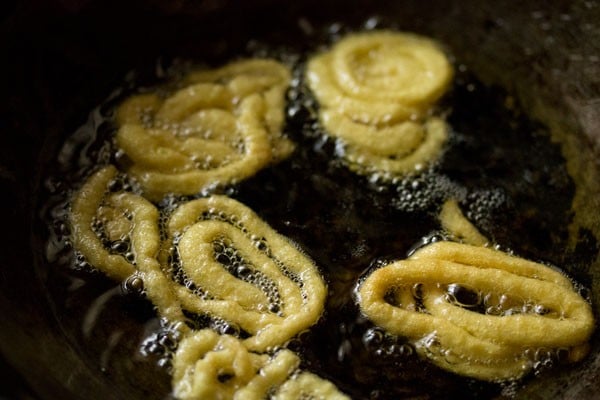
pixel 509 178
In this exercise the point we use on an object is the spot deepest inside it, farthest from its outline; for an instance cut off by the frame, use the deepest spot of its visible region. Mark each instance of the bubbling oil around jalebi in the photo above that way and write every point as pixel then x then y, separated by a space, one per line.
pixel 345 222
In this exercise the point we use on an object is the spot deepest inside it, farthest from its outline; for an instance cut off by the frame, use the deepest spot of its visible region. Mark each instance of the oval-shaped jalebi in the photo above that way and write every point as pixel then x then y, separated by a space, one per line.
pixel 242 272
pixel 99 218
pixel 222 127
pixel 249 275
pixel 375 90
pixel 461 340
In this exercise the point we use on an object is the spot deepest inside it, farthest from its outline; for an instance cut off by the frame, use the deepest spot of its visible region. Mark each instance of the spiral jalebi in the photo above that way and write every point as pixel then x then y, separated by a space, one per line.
pixel 376 91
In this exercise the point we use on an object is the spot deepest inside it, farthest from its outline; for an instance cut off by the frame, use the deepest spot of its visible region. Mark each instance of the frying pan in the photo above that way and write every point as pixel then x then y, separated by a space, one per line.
pixel 62 58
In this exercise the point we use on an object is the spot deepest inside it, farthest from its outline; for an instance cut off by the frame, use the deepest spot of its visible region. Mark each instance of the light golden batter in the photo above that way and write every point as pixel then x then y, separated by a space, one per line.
pixel 280 293
pixel 454 222
pixel 277 292
pixel 122 216
pixel 376 90
pixel 212 366
pixel 90 205
pixel 224 126
pixel 528 306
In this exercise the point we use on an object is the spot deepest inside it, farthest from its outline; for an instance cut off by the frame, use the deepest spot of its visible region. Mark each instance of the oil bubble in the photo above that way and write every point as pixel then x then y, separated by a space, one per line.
pixel 373 337
pixel 133 284
pixel 462 296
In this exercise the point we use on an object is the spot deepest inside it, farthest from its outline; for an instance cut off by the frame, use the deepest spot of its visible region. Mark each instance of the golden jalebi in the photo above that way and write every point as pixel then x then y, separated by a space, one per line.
pixel 100 218
pixel 242 272
pixel 222 127
pixel 203 358
pixel 250 275
pixel 525 306
pixel 212 366
pixel 376 90
pixel 217 259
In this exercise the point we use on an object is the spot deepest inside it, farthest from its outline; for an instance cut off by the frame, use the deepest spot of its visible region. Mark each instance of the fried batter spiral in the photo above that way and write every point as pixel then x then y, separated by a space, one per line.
pixel 213 259
pixel 222 127
pixel 375 91
pixel 87 210
pixel 242 271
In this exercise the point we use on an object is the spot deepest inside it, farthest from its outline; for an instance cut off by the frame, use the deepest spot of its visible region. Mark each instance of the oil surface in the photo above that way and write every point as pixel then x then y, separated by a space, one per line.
pixel 508 176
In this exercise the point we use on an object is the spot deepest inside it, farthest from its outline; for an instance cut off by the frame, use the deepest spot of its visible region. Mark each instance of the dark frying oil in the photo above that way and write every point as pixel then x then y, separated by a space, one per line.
pixel 509 178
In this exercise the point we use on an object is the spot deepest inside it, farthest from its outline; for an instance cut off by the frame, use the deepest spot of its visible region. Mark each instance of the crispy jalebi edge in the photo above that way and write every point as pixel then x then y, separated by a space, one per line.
pixel 406 160
pixel 87 210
